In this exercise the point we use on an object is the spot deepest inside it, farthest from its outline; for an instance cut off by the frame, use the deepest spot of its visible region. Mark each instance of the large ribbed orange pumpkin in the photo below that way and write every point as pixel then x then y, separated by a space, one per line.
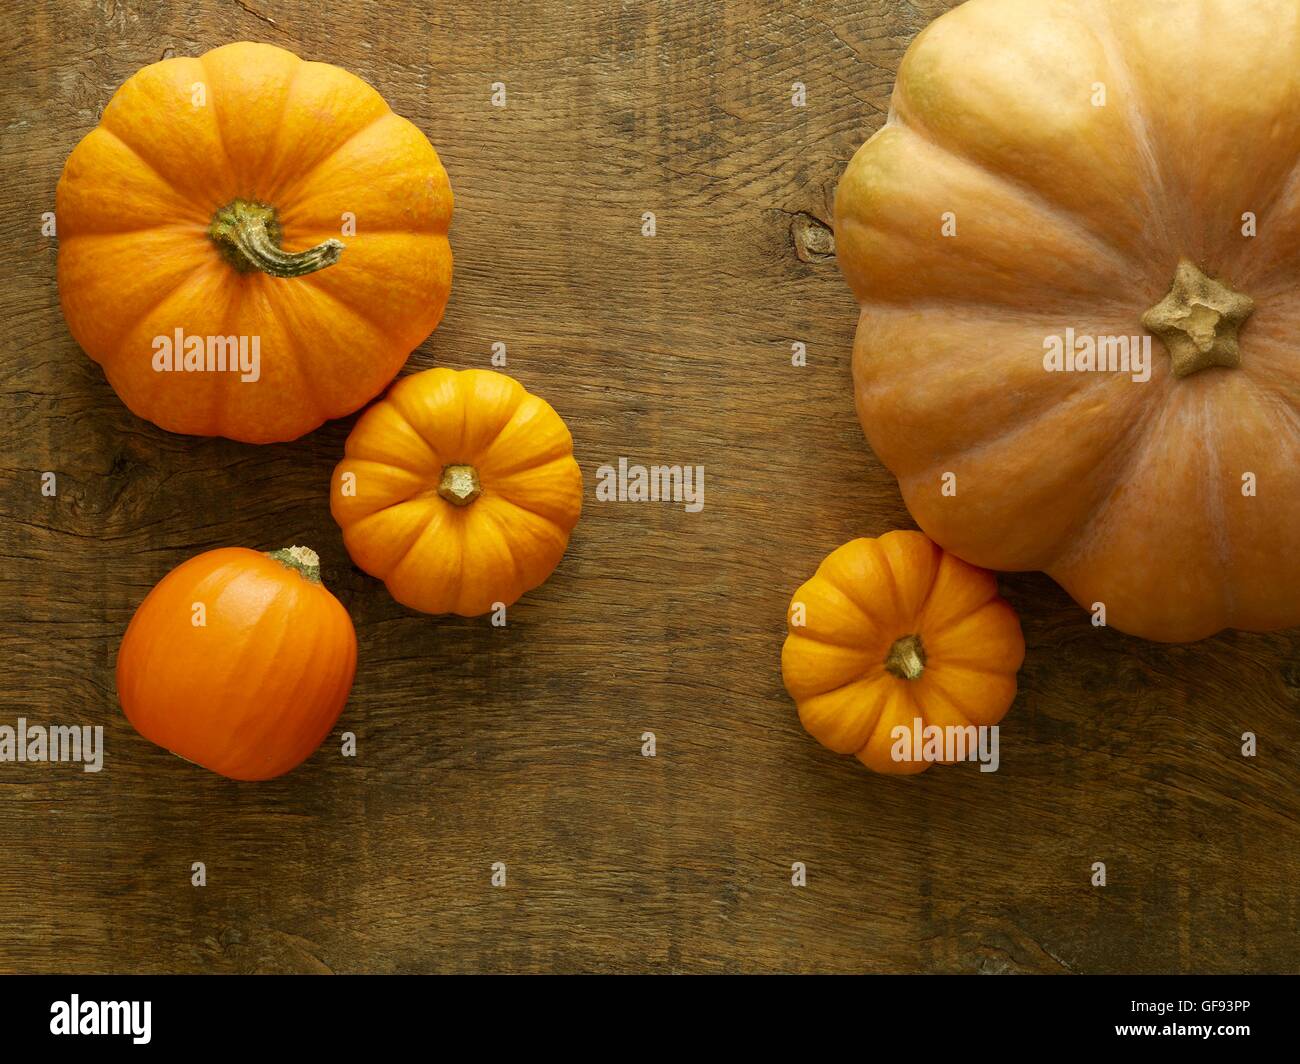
pixel 1102 174
pixel 247 202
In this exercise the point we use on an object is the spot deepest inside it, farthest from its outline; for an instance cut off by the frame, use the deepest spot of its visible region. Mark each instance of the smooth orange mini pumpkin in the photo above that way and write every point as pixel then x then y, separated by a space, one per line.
pixel 1081 184
pixel 238 661
pixel 891 631
pixel 250 244
pixel 459 490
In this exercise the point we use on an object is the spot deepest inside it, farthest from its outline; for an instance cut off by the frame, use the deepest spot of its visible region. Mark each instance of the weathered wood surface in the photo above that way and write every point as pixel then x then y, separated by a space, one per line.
pixel 522 744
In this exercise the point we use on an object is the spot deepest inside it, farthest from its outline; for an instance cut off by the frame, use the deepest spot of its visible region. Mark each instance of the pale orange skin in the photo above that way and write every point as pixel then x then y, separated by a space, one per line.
pixel 866 595
pixel 254 692
pixel 435 556
pixel 1069 214
pixel 311 140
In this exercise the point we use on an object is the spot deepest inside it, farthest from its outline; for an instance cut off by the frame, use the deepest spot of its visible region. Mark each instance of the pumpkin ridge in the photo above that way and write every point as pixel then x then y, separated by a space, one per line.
pixel 1086 386
pixel 956 619
pixel 518 582
pixel 381 326
pixel 216 124
pixel 500 486
pixel 399 556
pixel 173 291
pixel 291 191
pixel 1069 219
pixel 935 690
pixel 1082 535
pixel 1154 178
pixel 1106 253
pixel 181 196
pixel 286 96
pixel 1121 457
pixel 502 500
pixel 879 621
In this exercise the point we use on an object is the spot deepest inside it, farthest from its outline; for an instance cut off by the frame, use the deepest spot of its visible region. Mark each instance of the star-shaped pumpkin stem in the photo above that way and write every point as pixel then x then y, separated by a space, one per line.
pixel 1198 321
pixel 460 485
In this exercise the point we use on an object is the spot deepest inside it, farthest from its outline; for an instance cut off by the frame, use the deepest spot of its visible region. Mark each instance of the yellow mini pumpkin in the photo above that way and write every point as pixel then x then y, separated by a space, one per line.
pixel 891 631
pixel 459 490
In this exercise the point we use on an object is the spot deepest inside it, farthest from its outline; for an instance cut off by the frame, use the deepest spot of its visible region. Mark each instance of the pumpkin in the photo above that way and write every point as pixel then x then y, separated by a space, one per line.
pixel 238 661
pixel 200 259
pixel 893 631
pixel 1078 184
pixel 459 490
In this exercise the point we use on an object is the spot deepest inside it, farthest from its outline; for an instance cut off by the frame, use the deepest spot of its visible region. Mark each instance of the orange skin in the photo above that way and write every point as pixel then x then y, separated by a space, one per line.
pixel 436 556
pixel 310 140
pixel 255 691
pixel 1074 214
pixel 864 597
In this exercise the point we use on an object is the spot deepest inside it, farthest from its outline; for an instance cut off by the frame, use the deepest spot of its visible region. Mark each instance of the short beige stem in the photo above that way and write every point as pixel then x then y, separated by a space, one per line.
pixel 906 658
pixel 1198 321
pixel 459 484
pixel 248 235
pixel 303 560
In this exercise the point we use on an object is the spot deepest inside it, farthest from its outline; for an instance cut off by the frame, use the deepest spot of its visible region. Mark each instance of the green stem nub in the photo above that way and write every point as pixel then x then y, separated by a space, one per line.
pixel 459 484
pixel 248 236
pixel 906 658
pixel 303 560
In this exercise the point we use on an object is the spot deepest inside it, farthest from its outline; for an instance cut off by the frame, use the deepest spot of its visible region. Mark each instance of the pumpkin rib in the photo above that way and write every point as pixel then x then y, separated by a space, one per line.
pixel 182 197
pixel 396 557
pixel 1069 219
pixel 1107 254
pixel 291 191
pixel 1082 536
pixel 174 290
pixel 1099 486
pixel 501 486
pixel 874 382
pixel 928 694
pixel 1155 179
pixel 286 97
pixel 809 593
pixel 520 581
pixel 385 328
pixel 943 92
pixel 501 500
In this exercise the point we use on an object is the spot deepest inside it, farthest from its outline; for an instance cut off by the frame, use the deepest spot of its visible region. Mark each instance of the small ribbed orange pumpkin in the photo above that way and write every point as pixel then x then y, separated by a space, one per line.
pixel 894 630
pixel 247 203
pixel 459 490
pixel 238 661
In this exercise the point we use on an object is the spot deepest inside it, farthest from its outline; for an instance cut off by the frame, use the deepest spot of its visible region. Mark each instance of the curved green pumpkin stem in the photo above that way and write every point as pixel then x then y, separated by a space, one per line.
pixel 303 560
pixel 248 235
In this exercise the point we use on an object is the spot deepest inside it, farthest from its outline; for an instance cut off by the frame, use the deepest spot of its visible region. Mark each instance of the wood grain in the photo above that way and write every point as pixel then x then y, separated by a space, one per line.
pixel 522 744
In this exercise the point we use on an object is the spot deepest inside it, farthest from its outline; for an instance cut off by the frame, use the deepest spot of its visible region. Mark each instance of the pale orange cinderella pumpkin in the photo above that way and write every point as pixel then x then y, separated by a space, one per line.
pixel 893 631
pixel 249 195
pixel 238 661
pixel 1127 171
pixel 459 490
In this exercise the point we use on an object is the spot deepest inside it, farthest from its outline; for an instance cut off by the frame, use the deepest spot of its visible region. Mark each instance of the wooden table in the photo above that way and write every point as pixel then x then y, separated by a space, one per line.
pixel 523 744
